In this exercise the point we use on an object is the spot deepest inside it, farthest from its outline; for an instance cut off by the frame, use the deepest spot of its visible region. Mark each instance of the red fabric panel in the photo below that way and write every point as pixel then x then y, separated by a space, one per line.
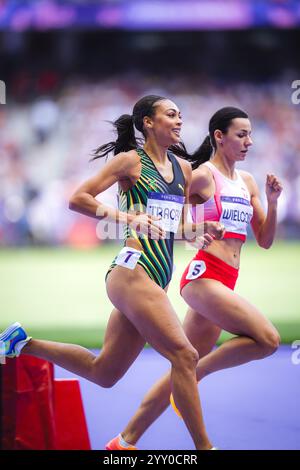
pixel 71 427
pixel 28 418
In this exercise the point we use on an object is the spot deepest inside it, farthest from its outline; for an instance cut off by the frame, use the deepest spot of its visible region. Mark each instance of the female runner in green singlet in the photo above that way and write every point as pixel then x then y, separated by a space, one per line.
pixel 153 184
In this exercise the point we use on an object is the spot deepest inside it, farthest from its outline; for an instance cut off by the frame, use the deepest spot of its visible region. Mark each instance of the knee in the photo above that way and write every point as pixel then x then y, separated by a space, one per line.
pixel 186 357
pixel 105 378
pixel 270 342
pixel 106 382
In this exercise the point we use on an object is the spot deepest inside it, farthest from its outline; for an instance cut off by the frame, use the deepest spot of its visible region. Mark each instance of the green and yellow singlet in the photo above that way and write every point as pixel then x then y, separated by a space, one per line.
pixel 152 194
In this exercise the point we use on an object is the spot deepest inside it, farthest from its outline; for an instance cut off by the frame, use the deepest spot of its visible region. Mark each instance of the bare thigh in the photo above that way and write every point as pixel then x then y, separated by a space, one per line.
pixel 201 332
pixel 122 344
pixel 225 308
pixel 148 308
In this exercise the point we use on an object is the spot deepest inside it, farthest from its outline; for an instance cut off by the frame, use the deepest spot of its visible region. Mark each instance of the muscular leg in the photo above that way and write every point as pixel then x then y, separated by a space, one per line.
pixel 203 335
pixel 150 311
pixel 257 338
pixel 122 345
pixel 226 309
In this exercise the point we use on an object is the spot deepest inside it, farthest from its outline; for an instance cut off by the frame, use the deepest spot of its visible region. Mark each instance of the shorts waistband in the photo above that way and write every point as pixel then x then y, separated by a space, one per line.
pixel 214 260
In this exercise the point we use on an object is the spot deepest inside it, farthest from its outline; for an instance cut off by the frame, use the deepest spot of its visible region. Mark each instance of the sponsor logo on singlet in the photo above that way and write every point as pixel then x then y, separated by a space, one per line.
pixel 181 187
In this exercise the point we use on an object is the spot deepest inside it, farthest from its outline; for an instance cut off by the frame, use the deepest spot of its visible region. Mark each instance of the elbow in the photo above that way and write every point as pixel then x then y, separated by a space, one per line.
pixel 265 244
pixel 266 247
pixel 264 240
pixel 73 203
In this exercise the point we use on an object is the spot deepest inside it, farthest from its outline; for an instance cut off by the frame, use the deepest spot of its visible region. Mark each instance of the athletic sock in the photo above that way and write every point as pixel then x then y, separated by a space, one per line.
pixel 123 443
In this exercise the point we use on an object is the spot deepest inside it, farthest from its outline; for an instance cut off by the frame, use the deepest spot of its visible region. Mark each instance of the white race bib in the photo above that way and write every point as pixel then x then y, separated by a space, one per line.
pixel 166 206
pixel 196 269
pixel 236 214
pixel 128 257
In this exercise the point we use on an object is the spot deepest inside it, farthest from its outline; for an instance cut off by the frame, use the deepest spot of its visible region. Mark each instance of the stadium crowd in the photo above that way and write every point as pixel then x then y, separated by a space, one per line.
pixel 46 144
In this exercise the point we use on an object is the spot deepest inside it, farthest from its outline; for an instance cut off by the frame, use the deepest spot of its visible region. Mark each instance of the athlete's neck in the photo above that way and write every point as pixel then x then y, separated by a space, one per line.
pixel 156 152
pixel 224 165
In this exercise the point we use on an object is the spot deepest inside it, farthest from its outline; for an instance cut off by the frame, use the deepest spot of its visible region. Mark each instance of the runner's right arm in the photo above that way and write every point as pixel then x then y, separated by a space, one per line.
pixel 119 169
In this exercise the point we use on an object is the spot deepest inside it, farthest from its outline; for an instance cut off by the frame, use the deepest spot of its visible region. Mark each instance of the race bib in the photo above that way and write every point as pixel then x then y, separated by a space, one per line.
pixel 128 257
pixel 196 269
pixel 236 214
pixel 166 206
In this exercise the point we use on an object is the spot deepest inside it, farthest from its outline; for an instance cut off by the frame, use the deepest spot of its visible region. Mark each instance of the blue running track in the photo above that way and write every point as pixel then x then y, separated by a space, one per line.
pixel 254 406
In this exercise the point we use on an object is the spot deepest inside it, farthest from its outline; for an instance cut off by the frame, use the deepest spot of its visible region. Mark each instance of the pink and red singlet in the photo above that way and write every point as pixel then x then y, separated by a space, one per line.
pixel 231 206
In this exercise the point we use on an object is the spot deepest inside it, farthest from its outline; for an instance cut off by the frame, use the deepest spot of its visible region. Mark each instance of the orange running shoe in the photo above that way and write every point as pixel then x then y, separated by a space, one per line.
pixel 115 444
pixel 172 401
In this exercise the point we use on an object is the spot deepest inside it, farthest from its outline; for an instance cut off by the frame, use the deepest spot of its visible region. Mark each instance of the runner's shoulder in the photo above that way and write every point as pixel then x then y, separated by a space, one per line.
pixel 248 179
pixel 202 175
pixel 186 168
pixel 125 161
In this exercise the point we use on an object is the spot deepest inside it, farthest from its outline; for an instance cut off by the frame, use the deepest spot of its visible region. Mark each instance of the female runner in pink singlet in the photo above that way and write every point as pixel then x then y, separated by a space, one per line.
pixel 231 197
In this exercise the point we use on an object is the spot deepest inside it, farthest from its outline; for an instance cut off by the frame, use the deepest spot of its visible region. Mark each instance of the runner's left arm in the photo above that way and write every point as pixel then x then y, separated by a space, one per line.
pixel 264 225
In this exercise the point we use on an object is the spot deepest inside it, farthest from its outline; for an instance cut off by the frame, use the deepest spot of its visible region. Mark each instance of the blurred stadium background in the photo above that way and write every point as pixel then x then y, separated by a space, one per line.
pixel 71 66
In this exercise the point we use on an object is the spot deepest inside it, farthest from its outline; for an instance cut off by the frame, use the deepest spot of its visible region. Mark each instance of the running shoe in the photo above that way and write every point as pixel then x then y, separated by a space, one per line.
pixel 172 401
pixel 115 444
pixel 14 339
